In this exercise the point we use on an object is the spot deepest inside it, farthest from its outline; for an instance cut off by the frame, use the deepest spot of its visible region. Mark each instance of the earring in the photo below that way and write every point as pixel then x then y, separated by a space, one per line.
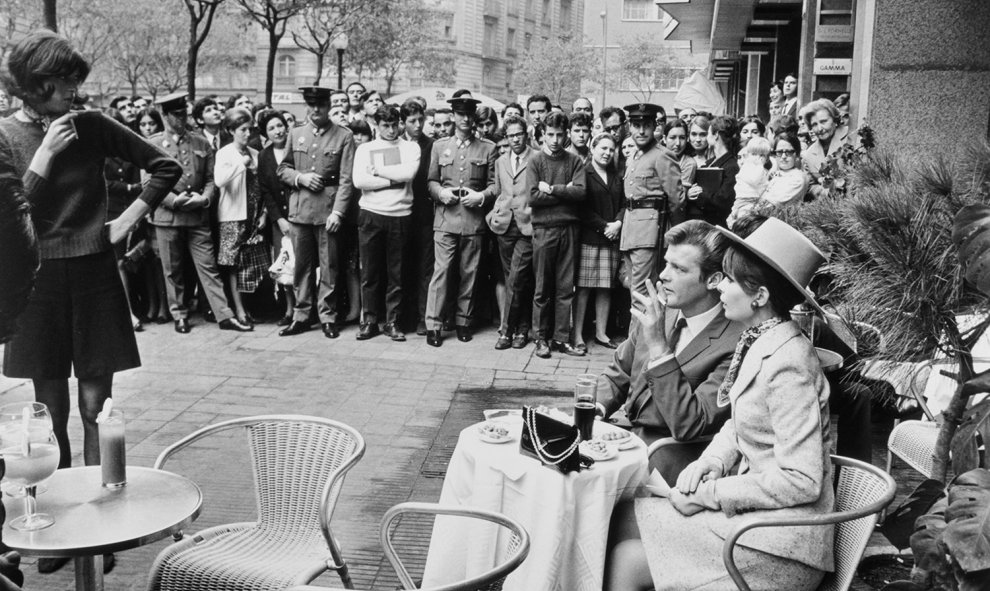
pixel 754 304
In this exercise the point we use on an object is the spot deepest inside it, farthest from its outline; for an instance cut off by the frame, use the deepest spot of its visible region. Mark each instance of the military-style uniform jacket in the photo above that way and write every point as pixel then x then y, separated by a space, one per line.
pixel 650 179
pixel 194 154
pixel 458 164
pixel 328 152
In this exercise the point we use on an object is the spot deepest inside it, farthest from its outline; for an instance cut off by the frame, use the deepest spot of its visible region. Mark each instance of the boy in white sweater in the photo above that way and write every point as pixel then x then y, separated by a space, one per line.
pixel 384 169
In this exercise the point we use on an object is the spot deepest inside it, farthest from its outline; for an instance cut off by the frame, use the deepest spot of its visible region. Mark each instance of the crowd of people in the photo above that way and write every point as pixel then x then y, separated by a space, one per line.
pixel 401 215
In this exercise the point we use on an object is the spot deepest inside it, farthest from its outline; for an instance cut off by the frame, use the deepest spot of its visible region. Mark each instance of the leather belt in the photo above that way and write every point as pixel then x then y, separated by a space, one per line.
pixel 648 203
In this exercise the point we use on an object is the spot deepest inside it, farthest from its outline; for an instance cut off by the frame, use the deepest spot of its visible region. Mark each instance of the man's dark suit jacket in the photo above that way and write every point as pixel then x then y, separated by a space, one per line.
pixel 677 397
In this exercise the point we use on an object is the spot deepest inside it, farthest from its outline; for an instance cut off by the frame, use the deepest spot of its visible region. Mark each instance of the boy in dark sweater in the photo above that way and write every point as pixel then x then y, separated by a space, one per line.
pixel 557 180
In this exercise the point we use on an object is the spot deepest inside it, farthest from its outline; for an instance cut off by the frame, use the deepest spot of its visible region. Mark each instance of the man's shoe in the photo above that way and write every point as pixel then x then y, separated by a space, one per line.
pixel 392 331
pixel 503 343
pixel 368 330
pixel 542 349
pixel 464 334
pixel 284 320
pixel 421 328
pixel 520 341
pixel 330 330
pixel 566 349
pixel 433 338
pixel 447 326
pixel 182 326
pixel 294 328
pixel 234 324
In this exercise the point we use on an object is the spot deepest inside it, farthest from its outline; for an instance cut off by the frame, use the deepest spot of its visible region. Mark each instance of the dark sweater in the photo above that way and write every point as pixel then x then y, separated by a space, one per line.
pixel 564 172
pixel 69 208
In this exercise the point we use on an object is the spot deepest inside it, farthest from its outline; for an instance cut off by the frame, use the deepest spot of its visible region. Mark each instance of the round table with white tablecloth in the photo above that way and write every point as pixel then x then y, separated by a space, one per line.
pixel 567 517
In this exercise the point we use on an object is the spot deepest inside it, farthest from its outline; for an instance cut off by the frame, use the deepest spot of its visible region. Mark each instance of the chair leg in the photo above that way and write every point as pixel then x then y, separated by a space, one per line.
pixel 338 563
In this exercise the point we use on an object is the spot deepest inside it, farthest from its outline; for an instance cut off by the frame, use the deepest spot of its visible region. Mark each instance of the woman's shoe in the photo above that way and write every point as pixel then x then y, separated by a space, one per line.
pixel 609 344
pixel 138 325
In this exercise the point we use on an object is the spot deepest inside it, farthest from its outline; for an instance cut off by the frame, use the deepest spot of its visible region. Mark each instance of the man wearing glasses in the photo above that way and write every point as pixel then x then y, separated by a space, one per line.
pixel 511 222
pixel 318 168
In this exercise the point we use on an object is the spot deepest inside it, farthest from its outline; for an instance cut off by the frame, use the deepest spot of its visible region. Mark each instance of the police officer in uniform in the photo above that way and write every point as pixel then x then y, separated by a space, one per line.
pixel 182 221
pixel 462 183
pixel 317 169
pixel 653 198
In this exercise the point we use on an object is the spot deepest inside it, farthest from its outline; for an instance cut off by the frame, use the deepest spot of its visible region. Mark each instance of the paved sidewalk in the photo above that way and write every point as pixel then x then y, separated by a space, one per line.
pixel 395 394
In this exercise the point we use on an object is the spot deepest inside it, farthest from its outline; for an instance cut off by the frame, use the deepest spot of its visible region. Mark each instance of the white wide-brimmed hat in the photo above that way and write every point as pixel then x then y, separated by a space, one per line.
pixel 786 250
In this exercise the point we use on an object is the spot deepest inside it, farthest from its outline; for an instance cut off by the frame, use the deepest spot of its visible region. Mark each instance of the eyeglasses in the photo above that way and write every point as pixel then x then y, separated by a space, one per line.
pixel 613 128
pixel 783 152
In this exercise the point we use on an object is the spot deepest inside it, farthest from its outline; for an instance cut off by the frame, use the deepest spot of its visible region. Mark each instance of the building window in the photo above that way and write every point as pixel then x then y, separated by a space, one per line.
pixel 508 77
pixel 286 66
pixel 565 14
pixel 641 10
pixel 489 46
pixel 527 42
pixel 547 11
pixel 510 41
pixel 486 76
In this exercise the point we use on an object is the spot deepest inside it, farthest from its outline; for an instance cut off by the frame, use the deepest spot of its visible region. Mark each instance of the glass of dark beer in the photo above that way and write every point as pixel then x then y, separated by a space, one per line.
pixel 585 398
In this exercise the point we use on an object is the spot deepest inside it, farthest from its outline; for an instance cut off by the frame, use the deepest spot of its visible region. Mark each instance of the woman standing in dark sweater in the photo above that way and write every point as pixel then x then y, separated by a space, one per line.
pixel 598 258
pixel 77 319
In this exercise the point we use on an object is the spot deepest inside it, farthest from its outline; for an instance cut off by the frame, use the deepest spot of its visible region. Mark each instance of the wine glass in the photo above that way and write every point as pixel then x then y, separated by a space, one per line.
pixel 30 452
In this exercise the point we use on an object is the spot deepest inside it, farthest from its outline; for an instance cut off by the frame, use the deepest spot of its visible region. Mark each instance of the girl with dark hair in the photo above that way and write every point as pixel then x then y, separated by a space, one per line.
pixel 750 127
pixel 714 203
pixel 777 436
pixel 275 128
pixel 77 319
pixel 243 253
pixel 150 122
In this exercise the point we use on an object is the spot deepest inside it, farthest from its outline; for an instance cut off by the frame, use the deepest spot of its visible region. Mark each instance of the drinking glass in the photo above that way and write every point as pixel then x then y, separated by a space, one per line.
pixel 585 398
pixel 30 452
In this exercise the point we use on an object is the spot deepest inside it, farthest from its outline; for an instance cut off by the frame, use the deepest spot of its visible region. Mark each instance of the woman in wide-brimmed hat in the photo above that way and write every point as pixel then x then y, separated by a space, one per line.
pixel 778 436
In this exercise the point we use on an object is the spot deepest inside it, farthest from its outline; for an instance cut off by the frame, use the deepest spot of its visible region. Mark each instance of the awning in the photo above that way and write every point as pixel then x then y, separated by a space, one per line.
pixel 701 94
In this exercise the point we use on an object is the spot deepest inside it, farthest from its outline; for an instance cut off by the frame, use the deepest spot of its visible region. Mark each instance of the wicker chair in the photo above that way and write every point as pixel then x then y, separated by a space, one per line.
pixel 516 550
pixel 862 492
pixel 669 456
pixel 299 463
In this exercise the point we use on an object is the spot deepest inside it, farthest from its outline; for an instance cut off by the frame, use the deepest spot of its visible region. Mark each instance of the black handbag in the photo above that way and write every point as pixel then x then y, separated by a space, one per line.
pixel 552 442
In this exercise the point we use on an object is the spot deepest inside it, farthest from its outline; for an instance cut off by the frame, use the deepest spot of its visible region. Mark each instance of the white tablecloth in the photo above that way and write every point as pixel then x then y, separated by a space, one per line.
pixel 567 517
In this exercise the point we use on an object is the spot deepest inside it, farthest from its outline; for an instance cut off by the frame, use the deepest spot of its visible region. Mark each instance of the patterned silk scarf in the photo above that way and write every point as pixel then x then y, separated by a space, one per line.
pixel 746 341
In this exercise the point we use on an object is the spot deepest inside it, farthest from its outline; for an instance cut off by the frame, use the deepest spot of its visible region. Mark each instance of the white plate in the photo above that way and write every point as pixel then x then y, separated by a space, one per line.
pixel 609 455
pixel 488 438
pixel 628 444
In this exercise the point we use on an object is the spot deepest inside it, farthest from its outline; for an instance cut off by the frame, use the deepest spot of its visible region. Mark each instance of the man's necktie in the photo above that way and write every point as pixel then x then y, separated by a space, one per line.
pixel 216 143
pixel 515 169
pixel 675 334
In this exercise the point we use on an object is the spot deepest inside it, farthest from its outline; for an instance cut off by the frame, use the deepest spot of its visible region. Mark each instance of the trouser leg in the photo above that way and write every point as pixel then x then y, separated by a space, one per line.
pixel 544 257
pixel 566 255
pixel 471 247
pixel 396 243
pixel 329 255
pixel 425 268
pixel 641 265
pixel 171 249
pixel 205 261
pixel 304 246
pixel 444 251
pixel 371 248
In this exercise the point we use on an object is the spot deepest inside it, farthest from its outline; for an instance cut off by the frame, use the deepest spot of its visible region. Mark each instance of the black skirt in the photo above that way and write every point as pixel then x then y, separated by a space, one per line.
pixel 77 320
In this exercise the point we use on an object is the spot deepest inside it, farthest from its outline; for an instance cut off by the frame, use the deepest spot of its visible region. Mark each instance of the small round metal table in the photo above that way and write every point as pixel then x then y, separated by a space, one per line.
pixel 91 520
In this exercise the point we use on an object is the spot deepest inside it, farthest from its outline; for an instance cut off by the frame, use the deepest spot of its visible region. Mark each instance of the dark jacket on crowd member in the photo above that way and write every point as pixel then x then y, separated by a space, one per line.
pixel 422 209
pixel 123 185
pixel 603 206
pixel 564 172
pixel 274 192
pixel 715 208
